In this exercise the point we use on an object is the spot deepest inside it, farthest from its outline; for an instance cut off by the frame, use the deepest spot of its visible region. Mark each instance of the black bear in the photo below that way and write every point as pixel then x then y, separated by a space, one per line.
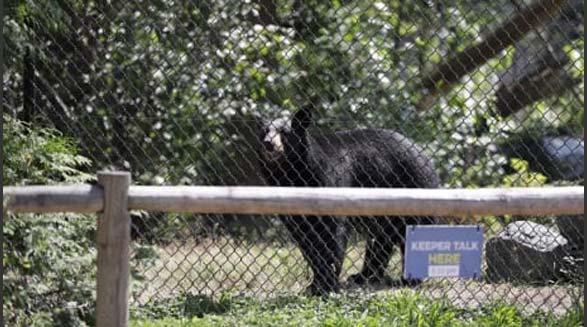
pixel 355 158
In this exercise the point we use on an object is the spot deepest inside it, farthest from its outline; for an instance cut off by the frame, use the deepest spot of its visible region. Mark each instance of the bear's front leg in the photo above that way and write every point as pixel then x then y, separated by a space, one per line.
pixel 322 243
pixel 328 248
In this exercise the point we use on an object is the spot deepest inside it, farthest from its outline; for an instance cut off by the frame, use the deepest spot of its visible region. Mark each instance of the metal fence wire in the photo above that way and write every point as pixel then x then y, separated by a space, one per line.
pixel 453 93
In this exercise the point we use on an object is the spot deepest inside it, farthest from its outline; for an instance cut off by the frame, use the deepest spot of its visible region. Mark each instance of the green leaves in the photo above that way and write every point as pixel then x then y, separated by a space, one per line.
pixel 49 260
pixel 49 265
pixel 402 309
pixel 195 67
pixel 40 156
pixel 522 175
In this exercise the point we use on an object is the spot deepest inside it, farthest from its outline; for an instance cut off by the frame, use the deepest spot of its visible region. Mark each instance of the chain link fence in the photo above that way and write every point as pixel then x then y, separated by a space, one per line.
pixel 298 93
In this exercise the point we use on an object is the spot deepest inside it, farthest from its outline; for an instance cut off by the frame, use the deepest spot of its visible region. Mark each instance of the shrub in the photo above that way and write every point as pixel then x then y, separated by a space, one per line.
pixel 49 259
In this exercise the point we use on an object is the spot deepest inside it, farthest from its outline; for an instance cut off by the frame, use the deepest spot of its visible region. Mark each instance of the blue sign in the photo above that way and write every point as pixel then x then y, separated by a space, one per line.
pixel 443 251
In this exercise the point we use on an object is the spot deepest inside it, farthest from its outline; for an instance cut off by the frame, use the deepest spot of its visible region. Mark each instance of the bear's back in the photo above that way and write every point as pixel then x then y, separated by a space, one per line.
pixel 370 158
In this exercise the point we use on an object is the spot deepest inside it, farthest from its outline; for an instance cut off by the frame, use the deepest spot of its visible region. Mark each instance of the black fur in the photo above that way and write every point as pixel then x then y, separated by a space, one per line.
pixel 356 158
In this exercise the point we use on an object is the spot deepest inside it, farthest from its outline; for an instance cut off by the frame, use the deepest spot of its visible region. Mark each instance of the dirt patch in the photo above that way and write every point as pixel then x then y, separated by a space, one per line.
pixel 213 267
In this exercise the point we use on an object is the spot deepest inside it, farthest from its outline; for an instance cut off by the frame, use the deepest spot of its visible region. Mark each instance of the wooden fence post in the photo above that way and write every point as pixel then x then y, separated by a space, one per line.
pixel 113 251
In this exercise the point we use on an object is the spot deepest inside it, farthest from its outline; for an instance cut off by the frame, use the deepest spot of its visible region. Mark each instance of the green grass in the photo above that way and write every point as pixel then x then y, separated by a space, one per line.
pixel 399 309
pixel 258 272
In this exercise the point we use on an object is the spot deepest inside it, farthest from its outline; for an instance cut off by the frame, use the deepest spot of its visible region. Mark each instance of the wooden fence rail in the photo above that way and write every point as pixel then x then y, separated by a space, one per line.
pixel 295 200
pixel 114 197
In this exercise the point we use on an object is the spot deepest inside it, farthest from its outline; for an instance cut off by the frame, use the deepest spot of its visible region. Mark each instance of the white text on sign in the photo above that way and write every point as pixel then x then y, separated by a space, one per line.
pixel 445 246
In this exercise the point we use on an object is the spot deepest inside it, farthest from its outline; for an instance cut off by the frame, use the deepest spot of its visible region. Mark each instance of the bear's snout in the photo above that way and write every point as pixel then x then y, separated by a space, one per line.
pixel 268 146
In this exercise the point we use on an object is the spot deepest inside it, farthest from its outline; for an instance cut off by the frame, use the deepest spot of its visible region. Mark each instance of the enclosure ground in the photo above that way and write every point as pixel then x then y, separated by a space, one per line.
pixel 263 270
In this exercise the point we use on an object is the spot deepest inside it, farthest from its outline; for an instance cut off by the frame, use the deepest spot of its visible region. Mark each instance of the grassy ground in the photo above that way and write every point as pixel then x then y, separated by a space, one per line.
pixel 261 283
pixel 225 265
pixel 400 309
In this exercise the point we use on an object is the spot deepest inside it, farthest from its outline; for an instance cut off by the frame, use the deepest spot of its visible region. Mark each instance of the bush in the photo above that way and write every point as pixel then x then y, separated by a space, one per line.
pixel 49 273
pixel 49 259
pixel 40 156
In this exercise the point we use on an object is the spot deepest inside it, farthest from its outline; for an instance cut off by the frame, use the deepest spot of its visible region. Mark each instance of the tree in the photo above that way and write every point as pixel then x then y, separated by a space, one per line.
pixel 450 71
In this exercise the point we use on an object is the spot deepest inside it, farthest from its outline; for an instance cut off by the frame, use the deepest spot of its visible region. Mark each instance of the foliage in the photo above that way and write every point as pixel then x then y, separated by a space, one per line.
pixel 400 309
pixel 40 156
pixel 173 85
pixel 49 259
pixel 169 90
pixel 522 176
pixel 49 266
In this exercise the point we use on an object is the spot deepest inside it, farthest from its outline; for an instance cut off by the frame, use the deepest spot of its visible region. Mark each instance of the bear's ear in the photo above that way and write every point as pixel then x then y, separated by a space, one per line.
pixel 302 119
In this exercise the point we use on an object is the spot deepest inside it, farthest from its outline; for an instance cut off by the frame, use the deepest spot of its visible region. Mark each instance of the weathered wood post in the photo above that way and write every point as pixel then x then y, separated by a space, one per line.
pixel 113 251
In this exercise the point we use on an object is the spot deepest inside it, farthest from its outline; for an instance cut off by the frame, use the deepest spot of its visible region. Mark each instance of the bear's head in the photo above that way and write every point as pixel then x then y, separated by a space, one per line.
pixel 283 139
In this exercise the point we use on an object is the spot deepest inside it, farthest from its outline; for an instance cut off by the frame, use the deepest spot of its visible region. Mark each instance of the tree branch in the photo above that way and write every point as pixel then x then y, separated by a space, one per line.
pixel 448 73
